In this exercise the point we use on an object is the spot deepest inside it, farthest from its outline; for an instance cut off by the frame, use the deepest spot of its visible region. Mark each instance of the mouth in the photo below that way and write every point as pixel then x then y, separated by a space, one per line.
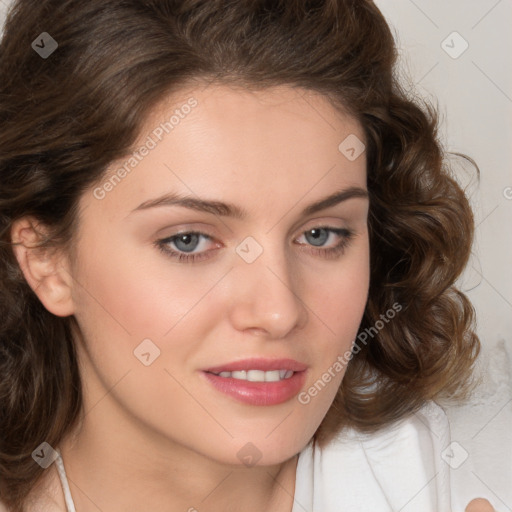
pixel 256 375
pixel 258 381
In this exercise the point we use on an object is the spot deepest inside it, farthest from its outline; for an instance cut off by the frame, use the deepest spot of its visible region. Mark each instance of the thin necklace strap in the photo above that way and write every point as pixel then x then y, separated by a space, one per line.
pixel 64 481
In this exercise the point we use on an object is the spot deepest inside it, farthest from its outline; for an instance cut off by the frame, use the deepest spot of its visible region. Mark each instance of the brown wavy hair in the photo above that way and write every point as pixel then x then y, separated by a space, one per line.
pixel 65 118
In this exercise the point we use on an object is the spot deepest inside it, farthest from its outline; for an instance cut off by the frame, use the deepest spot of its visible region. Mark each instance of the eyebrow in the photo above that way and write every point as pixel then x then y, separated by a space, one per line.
pixel 234 211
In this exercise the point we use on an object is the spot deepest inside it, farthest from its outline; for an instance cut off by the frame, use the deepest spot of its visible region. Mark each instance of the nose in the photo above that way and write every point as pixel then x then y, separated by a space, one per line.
pixel 266 296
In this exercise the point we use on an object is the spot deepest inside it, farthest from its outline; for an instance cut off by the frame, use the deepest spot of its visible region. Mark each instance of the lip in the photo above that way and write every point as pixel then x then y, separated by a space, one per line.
pixel 259 364
pixel 258 393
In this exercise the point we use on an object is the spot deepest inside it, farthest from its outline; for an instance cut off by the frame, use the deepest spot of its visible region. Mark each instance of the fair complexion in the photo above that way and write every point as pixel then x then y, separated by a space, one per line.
pixel 161 437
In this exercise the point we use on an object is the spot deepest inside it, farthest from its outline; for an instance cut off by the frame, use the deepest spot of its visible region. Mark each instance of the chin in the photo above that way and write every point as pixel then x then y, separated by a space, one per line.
pixel 260 450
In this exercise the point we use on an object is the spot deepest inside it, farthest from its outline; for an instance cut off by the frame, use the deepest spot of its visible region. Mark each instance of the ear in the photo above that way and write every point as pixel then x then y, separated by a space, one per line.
pixel 46 270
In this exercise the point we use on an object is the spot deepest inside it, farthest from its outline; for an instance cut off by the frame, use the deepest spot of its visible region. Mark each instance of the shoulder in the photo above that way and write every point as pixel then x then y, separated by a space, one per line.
pixel 421 433
pixel 397 468
pixel 480 430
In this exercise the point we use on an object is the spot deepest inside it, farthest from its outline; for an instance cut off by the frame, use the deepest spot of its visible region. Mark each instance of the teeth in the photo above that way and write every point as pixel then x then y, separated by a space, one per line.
pixel 258 375
pixel 271 376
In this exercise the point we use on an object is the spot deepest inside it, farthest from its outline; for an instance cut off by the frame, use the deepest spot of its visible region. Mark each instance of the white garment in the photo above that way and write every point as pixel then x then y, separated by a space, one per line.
pixel 398 469
pixel 70 506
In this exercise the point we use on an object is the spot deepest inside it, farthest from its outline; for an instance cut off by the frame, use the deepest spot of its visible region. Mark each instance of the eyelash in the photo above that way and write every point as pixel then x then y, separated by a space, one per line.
pixel 330 253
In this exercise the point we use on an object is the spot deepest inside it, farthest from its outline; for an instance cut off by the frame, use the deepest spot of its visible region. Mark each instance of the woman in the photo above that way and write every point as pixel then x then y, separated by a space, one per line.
pixel 229 249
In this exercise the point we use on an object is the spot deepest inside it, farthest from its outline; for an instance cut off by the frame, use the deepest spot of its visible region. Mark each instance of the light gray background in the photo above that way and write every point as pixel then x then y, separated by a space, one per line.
pixel 475 98
pixel 474 94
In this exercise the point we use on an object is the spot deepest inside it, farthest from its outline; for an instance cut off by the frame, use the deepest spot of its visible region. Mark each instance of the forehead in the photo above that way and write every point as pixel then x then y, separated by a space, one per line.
pixel 246 108
pixel 249 117
pixel 232 143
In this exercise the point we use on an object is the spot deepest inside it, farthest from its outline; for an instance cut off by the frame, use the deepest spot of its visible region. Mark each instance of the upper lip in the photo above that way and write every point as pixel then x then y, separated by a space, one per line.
pixel 259 364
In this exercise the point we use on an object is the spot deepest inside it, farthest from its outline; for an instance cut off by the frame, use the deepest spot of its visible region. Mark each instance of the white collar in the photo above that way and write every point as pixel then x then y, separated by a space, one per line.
pixel 398 468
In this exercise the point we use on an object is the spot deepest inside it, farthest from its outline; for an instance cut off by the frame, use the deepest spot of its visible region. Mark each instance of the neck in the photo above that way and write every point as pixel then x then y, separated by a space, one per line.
pixel 108 471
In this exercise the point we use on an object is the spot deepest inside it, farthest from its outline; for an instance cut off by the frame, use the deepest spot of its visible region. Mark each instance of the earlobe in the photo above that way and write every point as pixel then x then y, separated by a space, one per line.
pixel 45 270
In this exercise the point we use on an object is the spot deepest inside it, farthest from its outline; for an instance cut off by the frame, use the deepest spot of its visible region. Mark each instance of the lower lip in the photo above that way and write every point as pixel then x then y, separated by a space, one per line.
pixel 258 393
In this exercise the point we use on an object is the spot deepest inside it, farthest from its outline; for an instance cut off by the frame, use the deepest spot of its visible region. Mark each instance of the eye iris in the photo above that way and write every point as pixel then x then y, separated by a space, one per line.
pixel 319 236
pixel 188 239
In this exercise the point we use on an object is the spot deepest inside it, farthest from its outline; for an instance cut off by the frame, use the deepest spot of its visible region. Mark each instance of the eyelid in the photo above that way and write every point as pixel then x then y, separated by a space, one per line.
pixel 197 231
pixel 329 252
pixel 194 227
pixel 202 234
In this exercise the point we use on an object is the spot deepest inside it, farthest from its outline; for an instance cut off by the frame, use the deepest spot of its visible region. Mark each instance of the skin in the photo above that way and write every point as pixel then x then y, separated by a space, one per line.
pixel 479 505
pixel 159 437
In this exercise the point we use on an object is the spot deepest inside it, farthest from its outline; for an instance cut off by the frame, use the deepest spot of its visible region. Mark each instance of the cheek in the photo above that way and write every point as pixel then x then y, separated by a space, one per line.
pixel 137 296
pixel 126 301
pixel 338 297
pixel 123 301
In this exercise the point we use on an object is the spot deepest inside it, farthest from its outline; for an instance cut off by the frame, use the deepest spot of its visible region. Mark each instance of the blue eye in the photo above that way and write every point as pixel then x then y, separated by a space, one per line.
pixel 318 236
pixel 186 243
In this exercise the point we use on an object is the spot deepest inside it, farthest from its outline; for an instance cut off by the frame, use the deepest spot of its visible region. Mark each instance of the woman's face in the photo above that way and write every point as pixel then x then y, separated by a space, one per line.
pixel 273 288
